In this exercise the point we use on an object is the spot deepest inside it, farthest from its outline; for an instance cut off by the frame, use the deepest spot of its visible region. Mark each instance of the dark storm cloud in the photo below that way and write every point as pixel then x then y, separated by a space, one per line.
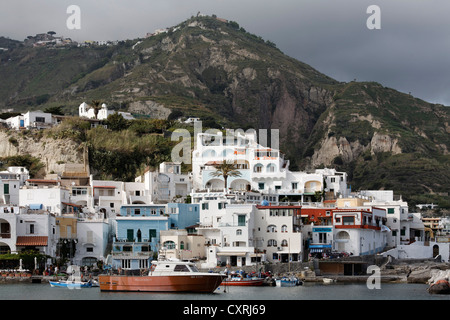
pixel 409 53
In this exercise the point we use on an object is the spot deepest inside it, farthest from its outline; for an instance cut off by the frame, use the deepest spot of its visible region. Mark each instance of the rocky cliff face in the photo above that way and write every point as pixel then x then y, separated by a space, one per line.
pixel 331 148
pixel 53 154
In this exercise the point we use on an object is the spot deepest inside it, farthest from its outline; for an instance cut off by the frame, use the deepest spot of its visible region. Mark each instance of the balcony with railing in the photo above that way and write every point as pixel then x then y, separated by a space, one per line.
pixel 132 248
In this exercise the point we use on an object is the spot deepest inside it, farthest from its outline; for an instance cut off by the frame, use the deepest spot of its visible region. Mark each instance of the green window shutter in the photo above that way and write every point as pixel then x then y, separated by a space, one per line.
pixel 130 234
pixel 241 220
pixel 152 234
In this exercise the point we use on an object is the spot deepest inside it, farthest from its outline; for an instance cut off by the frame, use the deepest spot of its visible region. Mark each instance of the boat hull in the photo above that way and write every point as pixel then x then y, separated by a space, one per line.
pixel 243 282
pixel 328 280
pixel 70 285
pixel 171 283
pixel 287 283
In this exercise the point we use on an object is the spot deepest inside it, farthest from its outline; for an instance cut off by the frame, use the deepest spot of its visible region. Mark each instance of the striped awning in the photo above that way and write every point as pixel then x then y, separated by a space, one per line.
pixel 35 241
pixel 237 254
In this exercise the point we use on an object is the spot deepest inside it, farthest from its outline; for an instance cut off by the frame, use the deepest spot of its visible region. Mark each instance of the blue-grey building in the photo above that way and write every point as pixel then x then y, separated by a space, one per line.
pixel 137 235
pixel 183 215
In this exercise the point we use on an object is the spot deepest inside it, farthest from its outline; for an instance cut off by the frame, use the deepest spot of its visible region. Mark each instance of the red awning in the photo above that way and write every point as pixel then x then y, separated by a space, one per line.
pixel 32 241
pixel 72 204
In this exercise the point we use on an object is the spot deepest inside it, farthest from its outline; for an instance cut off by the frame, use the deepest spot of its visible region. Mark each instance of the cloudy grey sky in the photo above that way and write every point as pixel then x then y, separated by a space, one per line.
pixel 410 53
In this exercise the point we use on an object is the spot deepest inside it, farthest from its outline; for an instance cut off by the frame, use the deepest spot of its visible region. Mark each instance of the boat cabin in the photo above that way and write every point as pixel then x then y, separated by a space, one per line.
pixel 166 267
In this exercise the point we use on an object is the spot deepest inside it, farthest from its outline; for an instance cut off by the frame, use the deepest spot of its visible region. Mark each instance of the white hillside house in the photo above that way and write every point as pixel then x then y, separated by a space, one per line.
pixel 262 169
pixel 87 111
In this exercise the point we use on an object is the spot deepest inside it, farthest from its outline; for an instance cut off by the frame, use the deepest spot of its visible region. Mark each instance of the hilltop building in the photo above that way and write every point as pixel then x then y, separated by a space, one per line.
pixel 32 120
pixel 87 111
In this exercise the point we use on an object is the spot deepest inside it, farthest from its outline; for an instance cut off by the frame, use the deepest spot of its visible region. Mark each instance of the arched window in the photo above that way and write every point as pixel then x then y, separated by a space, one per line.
pixel 169 244
pixel 270 167
pixel 182 245
pixel 284 243
pixel 272 228
pixel 284 228
pixel 258 167
pixel 227 153
pixel 239 232
pixel 139 235
pixel 272 243
pixel 209 153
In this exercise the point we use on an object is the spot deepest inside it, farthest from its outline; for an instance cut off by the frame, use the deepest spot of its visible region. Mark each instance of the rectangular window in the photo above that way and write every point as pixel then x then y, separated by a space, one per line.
pixel 126 263
pixel 294 185
pixel 152 234
pixel 31 228
pixel 241 220
pixel 130 234
pixel 6 188
pixel 181 268
pixel 348 221
pixel 143 263
pixel 261 185
pixel 390 210
pixel 322 237
pixel 137 211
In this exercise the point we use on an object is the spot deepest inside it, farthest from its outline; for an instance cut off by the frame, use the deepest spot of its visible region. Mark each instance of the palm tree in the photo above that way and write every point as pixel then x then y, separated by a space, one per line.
pixel 225 170
pixel 97 105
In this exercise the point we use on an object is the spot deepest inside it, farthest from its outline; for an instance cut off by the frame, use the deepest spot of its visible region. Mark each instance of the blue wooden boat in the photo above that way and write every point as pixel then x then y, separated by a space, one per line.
pixel 70 284
pixel 74 281
pixel 288 282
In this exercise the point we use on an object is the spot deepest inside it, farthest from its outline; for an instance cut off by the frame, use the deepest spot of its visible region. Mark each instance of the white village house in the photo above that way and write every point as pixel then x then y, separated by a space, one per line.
pixel 87 111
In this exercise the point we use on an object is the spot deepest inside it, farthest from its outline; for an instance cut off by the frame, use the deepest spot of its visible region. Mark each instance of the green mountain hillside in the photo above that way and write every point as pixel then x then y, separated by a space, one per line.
pixel 230 78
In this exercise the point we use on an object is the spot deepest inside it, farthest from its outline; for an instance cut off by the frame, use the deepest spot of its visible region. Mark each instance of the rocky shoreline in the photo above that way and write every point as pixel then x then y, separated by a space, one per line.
pixel 391 271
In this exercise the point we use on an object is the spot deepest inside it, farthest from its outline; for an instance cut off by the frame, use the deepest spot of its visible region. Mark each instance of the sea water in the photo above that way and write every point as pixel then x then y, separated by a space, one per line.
pixel 308 291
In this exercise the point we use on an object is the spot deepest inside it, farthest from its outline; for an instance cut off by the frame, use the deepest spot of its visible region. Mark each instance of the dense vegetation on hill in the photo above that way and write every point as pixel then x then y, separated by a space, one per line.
pixel 228 77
